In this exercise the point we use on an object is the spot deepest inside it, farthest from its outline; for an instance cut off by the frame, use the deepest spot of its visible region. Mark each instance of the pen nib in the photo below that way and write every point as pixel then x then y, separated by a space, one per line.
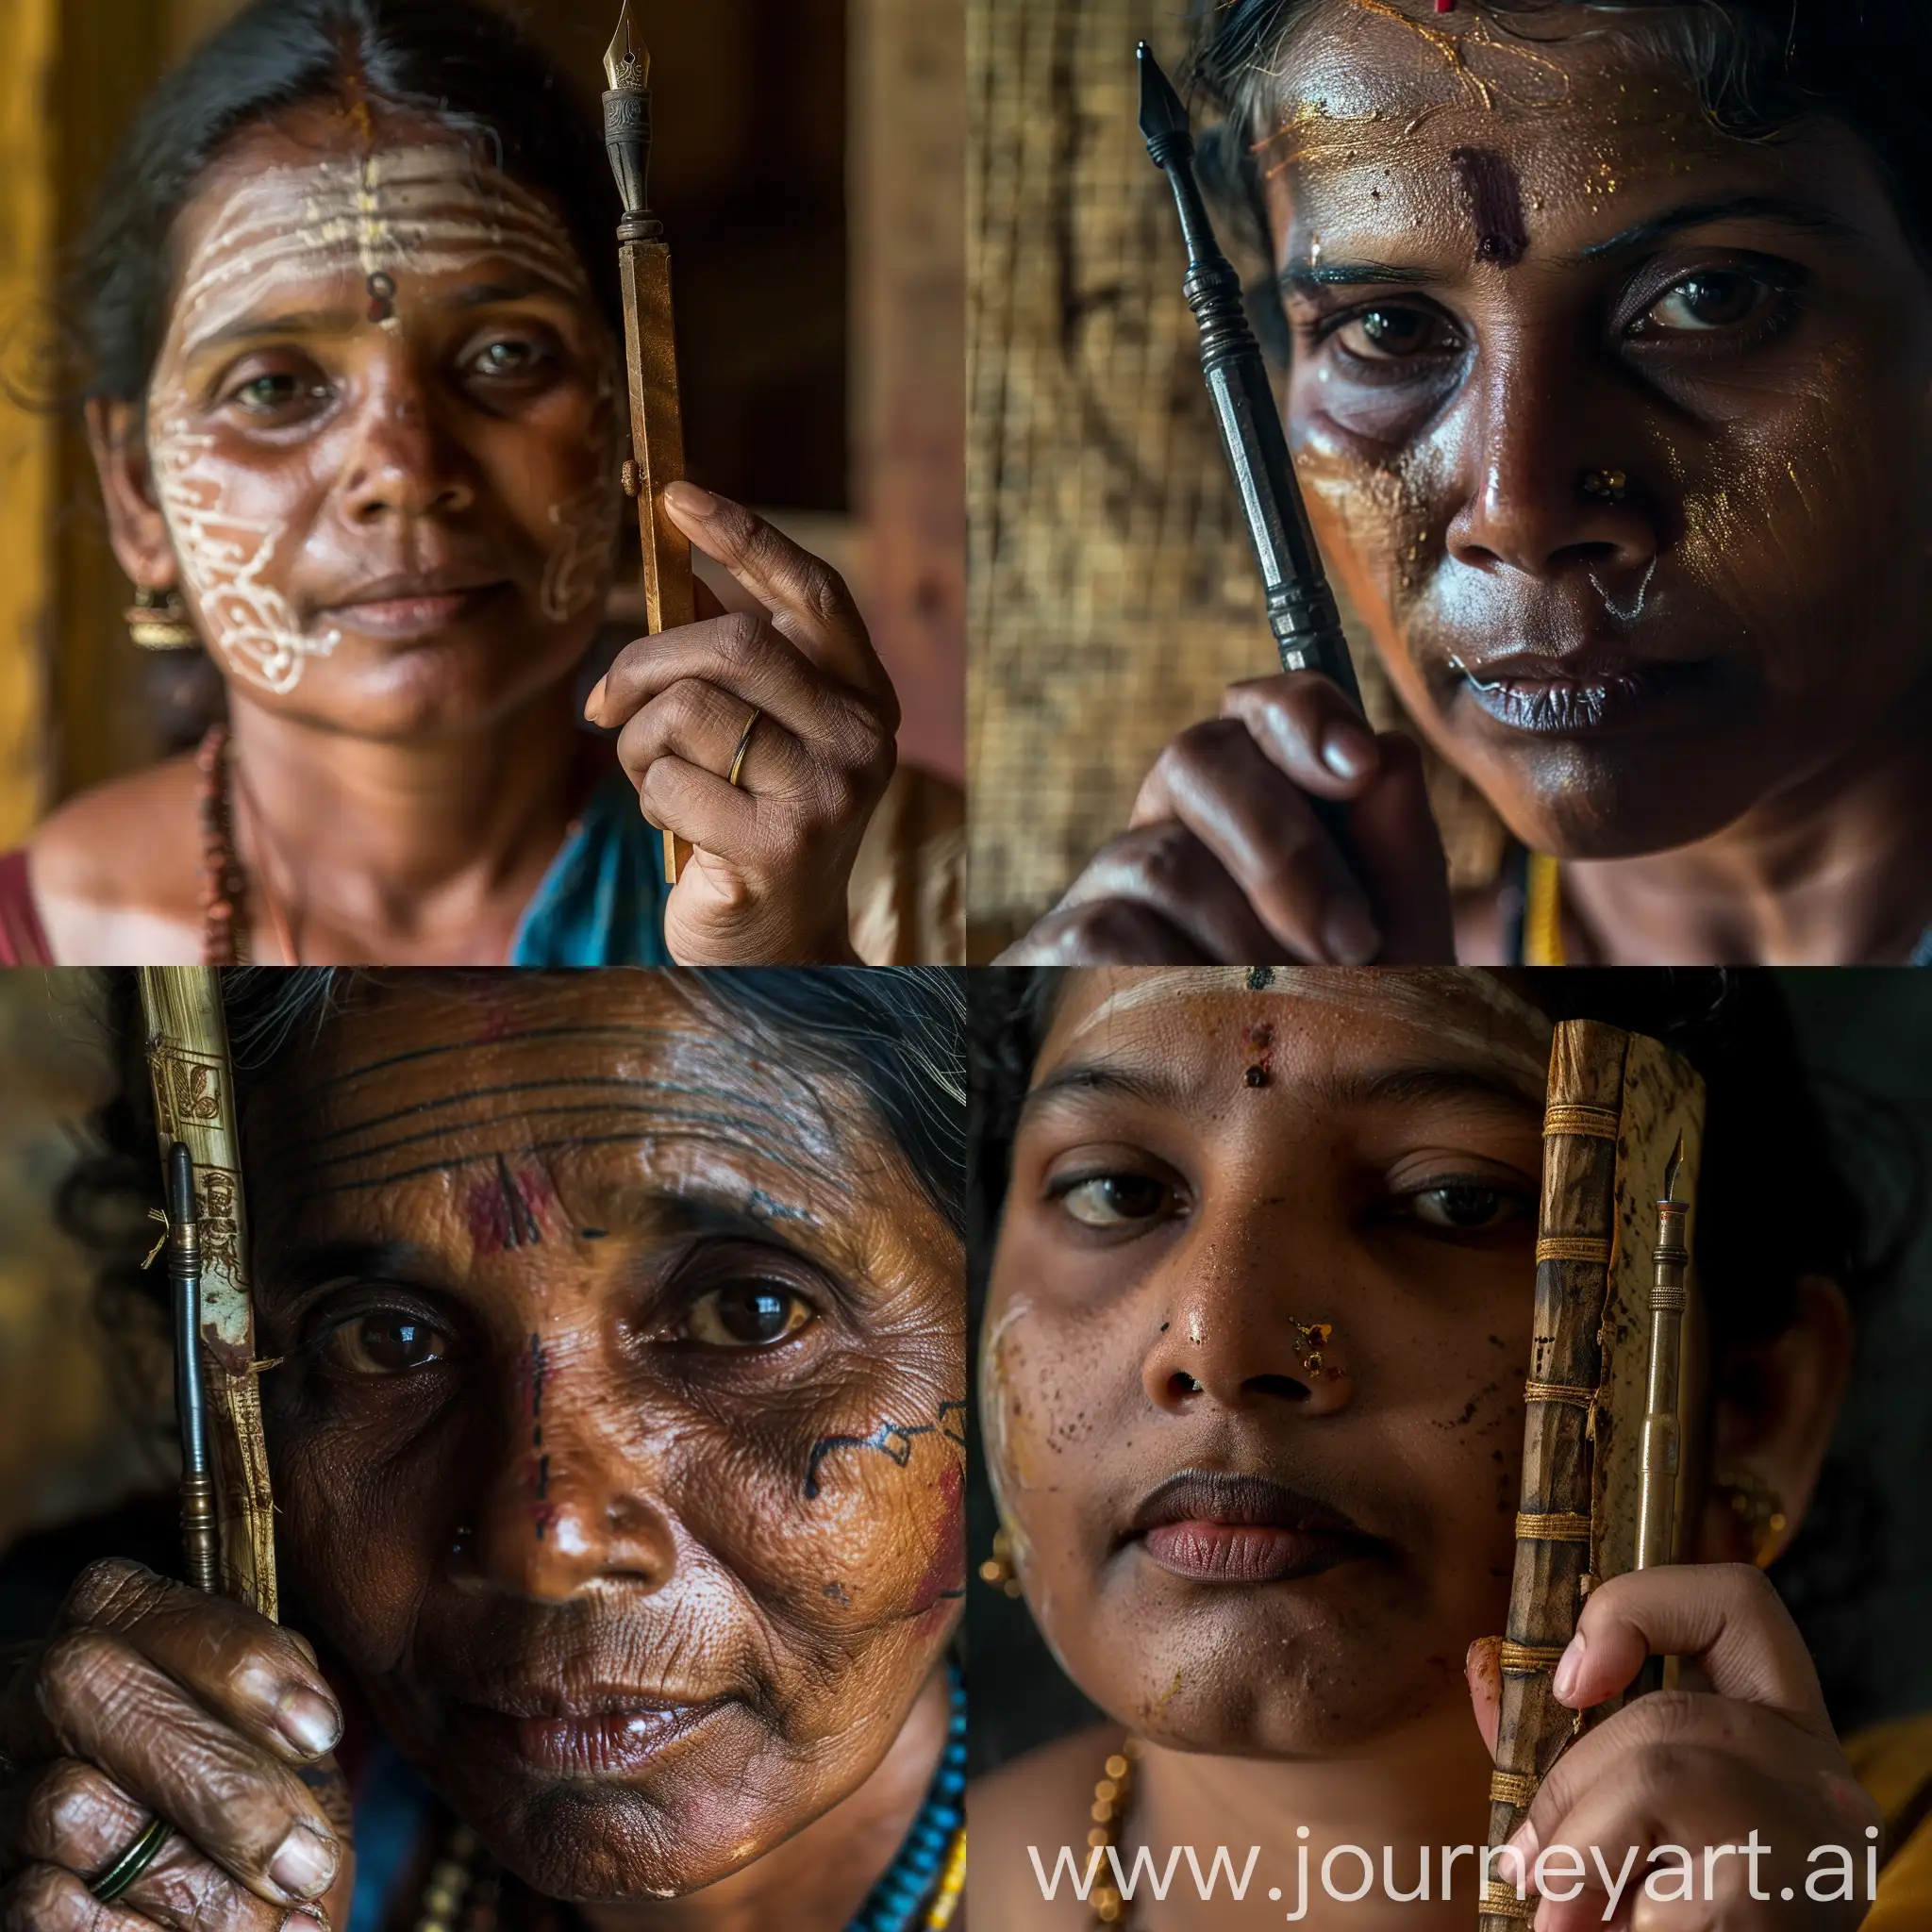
pixel 627 60
pixel 1162 115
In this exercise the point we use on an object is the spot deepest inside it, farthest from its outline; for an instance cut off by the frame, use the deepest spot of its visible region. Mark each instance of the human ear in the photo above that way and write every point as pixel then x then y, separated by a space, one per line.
pixel 117 440
pixel 1776 1404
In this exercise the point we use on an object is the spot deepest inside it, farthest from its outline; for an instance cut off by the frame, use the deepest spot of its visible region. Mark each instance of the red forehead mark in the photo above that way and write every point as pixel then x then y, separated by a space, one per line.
pixel 1259 1041
pixel 1492 192
pixel 505 1209
pixel 1445 5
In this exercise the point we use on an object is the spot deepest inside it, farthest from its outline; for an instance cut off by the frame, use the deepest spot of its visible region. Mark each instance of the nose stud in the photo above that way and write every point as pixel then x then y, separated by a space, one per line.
pixel 1606 485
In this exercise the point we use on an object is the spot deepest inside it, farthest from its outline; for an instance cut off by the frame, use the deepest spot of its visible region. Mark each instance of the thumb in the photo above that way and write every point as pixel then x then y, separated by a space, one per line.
pixel 1483 1670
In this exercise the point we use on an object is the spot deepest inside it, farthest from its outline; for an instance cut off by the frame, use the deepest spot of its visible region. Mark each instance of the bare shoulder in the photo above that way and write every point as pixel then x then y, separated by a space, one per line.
pixel 115 872
pixel 1036 1807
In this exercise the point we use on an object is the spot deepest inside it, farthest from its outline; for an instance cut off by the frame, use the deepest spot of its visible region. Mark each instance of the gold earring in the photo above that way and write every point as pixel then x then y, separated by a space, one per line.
pixel 157 621
pixel 1758 1507
pixel 998 1569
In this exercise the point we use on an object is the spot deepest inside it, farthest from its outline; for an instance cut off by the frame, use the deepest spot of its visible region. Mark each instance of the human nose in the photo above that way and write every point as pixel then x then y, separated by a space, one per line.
pixel 402 462
pixel 1235 1339
pixel 1552 485
pixel 572 1502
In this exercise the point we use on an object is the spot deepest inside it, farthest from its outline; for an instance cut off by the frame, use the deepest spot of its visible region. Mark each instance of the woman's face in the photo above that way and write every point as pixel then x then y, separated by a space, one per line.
pixel 617 1444
pixel 1514 255
pixel 1266 1259
pixel 381 434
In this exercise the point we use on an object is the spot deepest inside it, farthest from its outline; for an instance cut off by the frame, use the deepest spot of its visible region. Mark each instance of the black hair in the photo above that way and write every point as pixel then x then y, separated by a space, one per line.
pixel 1774 1204
pixel 896 1035
pixel 1760 67
pixel 462 64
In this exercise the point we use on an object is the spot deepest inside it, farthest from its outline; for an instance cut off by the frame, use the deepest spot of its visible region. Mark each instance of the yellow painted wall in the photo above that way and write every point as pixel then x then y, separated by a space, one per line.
pixel 28 439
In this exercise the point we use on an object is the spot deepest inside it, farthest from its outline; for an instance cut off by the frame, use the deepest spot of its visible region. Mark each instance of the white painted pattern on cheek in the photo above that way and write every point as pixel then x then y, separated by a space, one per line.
pixel 582 563
pixel 223 560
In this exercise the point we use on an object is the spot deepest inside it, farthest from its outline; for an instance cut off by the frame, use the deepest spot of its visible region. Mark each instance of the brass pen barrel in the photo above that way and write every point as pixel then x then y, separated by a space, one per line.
pixel 199 1539
pixel 650 342
pixel 1657 1519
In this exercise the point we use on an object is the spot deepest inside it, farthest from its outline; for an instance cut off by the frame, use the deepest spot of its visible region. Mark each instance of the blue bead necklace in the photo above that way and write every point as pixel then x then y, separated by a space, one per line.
pixel 934 1848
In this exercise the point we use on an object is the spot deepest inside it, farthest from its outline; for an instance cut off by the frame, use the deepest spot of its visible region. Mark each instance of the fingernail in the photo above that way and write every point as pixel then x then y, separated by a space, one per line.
pixel 1569 1668
pixel 593 705
pixel 1350 935
pixel 1349 752
pixel 309 1723
pixel 304 1865
pixel 692 501
pixel 303 1922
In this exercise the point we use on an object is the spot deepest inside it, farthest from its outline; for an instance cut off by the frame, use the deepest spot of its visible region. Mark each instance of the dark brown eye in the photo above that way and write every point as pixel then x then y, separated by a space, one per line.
pixel 386 1346
pixel 1465 1206
pixel 1710 301
pixel 747 1315
pixel 1113 1200
pixel 1387 334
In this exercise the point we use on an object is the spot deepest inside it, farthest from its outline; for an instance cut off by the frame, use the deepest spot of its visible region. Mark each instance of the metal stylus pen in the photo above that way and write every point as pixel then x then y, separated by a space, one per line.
pixel 198 1539
pixel 1302 611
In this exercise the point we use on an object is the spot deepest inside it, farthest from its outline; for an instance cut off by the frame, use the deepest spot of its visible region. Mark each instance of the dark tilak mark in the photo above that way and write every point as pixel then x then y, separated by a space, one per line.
pixel 835 1594
pixel 1257 1076
pixel 594 1234
pixel 520 1219
pixel 382 296
pixel 537 1367
pixel 542 1473
pixel 891 1439
pixel 1492 192
pixel 1260 978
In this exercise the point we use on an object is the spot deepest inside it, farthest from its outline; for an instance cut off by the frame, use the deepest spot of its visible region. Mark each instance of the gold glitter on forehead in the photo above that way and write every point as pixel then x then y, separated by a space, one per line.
pixel 1310 133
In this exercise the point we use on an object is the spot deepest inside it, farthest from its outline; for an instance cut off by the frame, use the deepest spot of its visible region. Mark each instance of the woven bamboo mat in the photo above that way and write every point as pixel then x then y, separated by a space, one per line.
pixel 1112 590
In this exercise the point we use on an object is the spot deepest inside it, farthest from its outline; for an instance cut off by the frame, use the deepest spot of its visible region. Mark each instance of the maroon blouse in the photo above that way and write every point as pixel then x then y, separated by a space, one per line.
pixel 22 938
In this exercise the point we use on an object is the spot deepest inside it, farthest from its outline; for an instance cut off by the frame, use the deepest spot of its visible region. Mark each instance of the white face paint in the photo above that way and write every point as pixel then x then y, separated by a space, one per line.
pixel 1460 1006
pixel 421 210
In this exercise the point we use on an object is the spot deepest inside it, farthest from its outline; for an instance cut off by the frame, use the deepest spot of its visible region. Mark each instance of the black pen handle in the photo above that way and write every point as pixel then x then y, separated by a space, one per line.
pixel 1302 611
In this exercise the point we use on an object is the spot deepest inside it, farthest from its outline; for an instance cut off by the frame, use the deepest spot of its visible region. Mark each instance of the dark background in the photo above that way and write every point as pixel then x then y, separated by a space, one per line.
pixel 1859 1575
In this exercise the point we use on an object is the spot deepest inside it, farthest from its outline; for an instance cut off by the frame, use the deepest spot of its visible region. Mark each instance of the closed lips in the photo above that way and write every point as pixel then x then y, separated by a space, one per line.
pixel 1214 1527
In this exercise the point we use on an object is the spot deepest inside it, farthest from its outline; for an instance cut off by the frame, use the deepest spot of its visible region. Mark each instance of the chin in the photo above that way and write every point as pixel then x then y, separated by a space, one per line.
pixel 443 687
pixel 587 1844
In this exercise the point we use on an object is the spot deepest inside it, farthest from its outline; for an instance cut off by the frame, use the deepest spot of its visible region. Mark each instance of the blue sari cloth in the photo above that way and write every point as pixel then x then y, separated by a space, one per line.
pixel 602 902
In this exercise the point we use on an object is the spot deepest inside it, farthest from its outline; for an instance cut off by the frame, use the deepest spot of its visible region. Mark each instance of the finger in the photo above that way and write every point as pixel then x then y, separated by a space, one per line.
pixel 45 1899
pixel 807 598
pixel 1106 932
pixel 1725 1616
pixel 1308 729
pixel 102 1702
pixel 1482 1669
pixel 84 1824
pixel 1165 866
pixel 715 818
pixel 747 658
pixel 1217 781
pixel 261 1677
pixel 1396 851
pixel 704 726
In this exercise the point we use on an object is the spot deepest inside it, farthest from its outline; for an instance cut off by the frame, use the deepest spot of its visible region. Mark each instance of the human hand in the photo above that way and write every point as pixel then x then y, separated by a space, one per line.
pixel 1702 1769
pixel 152 1699
pixel 1228 860
pixel 773 856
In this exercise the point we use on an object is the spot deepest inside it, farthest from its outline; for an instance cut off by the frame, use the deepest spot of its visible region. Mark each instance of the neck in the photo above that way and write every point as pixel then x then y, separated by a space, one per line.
pixel 422 848
pixel 817 1880
pixel 1423 1785
pixel 1833 871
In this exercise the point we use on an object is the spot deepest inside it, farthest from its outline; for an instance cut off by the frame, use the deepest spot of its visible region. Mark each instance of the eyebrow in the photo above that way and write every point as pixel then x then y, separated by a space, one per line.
pixel 341 321
pixel 1808 216
pixel 1304 278
pixel 1418 1084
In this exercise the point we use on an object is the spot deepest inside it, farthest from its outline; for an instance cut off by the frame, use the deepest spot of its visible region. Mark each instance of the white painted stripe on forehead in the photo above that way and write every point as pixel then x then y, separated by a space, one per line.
pixel 1423 997
pixel 431 209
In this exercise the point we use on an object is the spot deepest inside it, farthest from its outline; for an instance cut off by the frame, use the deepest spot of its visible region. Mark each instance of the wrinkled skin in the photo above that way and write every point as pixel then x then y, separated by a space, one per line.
pixel 617 1455
pixel 394 522
pixel 1509 263
pixel 1321 1279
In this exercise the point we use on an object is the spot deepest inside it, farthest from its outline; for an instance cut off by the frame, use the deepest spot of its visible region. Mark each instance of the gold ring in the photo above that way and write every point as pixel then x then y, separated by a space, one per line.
pixel 131 1863
pixel 751 724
